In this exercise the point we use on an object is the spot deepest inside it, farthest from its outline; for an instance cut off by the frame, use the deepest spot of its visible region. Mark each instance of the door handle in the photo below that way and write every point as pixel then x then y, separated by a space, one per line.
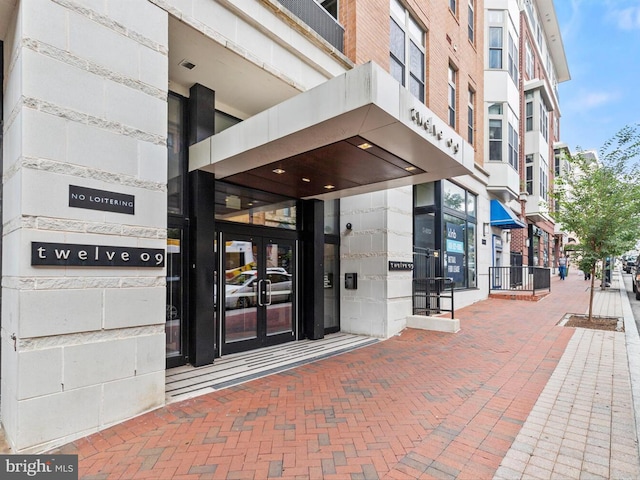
pixel 264 293
pixel 267 292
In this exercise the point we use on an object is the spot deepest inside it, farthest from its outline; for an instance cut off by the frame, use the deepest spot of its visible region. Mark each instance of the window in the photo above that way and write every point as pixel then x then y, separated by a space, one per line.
pixel 495 47
pixel 470 116
pixel 452 97
pixel 528 161
pixel 471 22
pixel 407 50
pixel 331 6
pixel 514 140
pixel 544 179
pixel 495 132
pixel 513 146
pixel 528 67
pixel 445 220
pixel 544 121
pixel 452 5
pixel 176 151
pixel 513 60
pixel 528 112
pixel 459 234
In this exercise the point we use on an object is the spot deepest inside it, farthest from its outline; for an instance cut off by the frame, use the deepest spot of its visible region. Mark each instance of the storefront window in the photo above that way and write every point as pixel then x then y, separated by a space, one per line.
pixel 459 235
pixel 244 205
pixel 453 197
pixel 425 195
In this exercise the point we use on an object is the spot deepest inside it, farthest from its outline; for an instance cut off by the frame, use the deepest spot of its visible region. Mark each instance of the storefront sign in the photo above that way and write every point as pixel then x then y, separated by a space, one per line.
pixel 400 266
pixel 75 255
pixel 93 199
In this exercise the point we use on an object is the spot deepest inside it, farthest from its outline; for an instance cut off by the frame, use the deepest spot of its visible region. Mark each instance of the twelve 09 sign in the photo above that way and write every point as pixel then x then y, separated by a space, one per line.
pixel 78 255
pixel 455 253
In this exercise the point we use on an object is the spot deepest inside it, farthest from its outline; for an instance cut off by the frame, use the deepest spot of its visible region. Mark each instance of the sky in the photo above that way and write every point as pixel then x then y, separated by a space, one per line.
pixel 602 45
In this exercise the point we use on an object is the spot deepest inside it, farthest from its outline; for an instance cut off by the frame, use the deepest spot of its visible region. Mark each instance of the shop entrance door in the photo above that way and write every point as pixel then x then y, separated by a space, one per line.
pixel 259 291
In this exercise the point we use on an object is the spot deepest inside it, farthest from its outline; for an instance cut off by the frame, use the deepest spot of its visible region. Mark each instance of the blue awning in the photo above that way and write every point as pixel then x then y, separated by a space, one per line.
pixel 503 217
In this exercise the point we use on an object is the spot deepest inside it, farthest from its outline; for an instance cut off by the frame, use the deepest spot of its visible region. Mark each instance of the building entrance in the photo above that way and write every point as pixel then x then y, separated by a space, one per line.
pixel 258 287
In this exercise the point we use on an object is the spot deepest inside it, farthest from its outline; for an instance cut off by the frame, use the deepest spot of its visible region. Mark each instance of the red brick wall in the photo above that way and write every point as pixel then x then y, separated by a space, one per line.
pixel 366 24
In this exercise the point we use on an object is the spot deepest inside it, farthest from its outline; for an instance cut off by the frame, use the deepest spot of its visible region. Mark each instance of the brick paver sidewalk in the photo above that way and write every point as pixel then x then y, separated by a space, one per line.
pixel 419 405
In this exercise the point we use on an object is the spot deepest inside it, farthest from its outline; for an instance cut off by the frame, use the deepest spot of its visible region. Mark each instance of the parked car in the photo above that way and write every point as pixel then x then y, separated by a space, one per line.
pixel 241 290
pixel 629 266
pixel 635 281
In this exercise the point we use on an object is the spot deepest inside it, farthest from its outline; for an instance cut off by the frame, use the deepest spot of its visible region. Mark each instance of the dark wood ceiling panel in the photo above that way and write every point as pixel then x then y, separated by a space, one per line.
pixel 342 164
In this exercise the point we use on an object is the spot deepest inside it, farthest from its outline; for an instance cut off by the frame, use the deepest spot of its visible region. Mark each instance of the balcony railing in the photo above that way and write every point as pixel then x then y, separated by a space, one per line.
pixel 318 19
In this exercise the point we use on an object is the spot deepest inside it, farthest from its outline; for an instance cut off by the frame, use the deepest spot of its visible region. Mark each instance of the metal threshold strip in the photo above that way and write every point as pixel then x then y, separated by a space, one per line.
pixel 188 382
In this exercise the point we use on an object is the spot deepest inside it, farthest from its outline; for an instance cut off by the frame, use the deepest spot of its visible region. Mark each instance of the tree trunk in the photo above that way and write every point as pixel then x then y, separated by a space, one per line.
pixel 591 291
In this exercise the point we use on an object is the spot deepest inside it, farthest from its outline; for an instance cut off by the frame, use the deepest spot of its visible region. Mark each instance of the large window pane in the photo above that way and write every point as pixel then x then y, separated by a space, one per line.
pixel 416 85
pixel 471 255
pixel 397 42
pixel 176 156
pixel 175 293
pixel 495 47
pixel 495 140
pixel 453 196
pixel 454 255
pixel 425 194
pixel 406 50
pixel 244 205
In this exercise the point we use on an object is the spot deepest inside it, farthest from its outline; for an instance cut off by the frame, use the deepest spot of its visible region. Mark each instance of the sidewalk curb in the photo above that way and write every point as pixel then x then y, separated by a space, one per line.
pixel 632 339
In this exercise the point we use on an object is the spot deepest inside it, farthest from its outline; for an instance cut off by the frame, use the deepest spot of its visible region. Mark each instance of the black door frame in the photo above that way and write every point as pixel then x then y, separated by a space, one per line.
pixel 183 225
pixel 262 236
pixel 203 337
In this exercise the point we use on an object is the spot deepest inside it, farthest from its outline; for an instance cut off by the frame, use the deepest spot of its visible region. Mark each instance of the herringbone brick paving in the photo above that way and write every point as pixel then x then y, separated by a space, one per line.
pixel 419 405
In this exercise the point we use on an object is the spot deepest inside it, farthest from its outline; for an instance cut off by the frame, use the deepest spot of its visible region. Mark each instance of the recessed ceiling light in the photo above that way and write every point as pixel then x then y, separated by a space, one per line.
pixel 365 145
pixel 305 179
pixel 410 169
pixel 187 64
pixel 278 171
pixel 329 187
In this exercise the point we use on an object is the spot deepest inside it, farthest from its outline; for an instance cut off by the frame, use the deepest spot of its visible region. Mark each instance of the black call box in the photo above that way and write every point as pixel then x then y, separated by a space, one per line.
pixel 351 281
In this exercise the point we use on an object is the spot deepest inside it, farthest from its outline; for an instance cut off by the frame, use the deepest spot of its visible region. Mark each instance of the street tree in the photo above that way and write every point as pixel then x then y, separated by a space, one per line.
pixel 598 200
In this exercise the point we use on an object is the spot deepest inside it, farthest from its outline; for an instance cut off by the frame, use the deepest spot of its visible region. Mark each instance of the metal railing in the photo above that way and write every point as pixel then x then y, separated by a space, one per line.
pixel 519 279
pixel 432 296
pixel 431 292
pixel 318 19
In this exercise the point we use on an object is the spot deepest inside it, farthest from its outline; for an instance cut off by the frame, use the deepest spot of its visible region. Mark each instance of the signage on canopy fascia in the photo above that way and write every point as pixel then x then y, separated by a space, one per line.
pixel 428 124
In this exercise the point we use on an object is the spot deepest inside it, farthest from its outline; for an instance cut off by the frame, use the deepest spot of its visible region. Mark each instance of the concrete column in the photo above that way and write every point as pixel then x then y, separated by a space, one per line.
pixel 85 105
pixel 382 231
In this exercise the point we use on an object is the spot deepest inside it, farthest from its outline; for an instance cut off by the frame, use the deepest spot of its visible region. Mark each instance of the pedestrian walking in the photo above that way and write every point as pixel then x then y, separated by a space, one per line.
pixel 562 266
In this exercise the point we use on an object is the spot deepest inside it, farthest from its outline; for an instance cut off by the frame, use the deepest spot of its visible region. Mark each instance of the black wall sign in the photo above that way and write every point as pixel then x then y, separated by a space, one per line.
pixel 75 255
pixel 93 199
pixel 407 266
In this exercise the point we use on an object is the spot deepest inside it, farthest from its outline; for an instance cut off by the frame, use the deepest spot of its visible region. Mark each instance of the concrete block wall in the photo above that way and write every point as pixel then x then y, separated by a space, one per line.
pixel 85 104
pixel 382 231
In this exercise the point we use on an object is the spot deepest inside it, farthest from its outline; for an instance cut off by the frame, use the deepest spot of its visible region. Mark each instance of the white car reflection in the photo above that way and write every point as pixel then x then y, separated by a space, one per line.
pixel 241 290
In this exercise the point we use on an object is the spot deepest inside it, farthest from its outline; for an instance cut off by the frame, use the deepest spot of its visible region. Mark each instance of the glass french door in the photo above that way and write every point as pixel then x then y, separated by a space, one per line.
pixel 176 308
pixel 258 290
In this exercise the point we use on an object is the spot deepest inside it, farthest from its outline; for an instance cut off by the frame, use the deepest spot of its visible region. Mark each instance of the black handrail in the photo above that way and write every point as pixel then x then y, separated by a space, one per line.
pixel 429 293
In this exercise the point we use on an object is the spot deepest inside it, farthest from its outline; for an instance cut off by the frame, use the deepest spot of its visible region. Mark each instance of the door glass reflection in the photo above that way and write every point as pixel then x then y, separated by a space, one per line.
pixel 241 288
pixel 174 293
pixel 279 286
